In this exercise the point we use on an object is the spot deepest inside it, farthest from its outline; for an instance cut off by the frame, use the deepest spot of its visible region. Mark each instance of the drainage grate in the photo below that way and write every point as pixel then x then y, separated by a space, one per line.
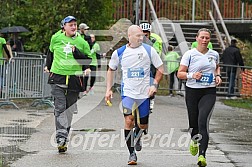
pixel 22 120
pixel 17 130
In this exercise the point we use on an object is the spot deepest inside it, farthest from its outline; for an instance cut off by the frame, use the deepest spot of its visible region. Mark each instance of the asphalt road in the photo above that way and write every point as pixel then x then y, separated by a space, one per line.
pixel 97 137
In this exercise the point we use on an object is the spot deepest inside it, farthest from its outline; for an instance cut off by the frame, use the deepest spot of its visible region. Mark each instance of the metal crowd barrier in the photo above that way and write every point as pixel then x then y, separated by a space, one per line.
pixel 28 54
pixel 24 78
pixel 243 81
pixel 243 78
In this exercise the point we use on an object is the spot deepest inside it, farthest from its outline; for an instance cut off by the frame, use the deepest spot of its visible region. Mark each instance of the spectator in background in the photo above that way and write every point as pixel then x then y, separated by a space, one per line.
pixel 232 57
pixel 155 41
pixel 61 29
pixel 151 39
pixel 93 66
pixel 84 33
pixel 3 47
pixel 16 43
pixel 172 59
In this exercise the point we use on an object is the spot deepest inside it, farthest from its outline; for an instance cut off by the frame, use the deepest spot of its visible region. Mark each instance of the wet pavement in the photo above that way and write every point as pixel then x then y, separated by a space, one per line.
pixel 16 127
pixel 232 133
pixel 96 138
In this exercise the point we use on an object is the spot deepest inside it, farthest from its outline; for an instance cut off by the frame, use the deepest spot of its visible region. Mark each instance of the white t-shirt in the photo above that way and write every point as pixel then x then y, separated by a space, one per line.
pixel 198 62
pixel 135 65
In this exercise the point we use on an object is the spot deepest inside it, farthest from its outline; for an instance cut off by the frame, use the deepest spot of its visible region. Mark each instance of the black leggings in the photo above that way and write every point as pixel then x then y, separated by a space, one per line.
pixel 200 103
pixel 92 80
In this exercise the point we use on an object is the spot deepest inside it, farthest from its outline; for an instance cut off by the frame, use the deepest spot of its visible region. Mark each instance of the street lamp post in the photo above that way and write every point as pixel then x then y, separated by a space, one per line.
pixel 144 4
pixel 193 11
pixel 137 12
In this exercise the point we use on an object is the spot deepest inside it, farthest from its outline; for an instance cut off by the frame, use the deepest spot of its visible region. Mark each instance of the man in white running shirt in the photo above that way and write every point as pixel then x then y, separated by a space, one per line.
pixel 137 86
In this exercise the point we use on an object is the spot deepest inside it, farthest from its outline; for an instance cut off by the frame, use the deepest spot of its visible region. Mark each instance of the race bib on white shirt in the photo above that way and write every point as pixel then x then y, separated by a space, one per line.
pixel 206 79
pixel 135 73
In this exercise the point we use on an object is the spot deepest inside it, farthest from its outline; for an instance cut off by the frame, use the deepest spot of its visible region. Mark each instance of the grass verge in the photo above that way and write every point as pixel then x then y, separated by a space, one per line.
pixel 239 103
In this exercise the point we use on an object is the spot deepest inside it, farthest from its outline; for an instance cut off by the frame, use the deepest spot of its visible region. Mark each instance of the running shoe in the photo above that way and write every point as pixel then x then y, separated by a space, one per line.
pixel 180 94
pixel 138 134
pixel 233 97
pixel 62 147
pixel 132 159
pixel 202 161
pixel 85 93
pixel 194 148
pixel 91 91
pixel 145 131
pixel 138 145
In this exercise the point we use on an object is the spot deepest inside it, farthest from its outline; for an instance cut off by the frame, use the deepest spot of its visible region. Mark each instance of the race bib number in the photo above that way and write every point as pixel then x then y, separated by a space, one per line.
pixel 136 73
pixel 206 79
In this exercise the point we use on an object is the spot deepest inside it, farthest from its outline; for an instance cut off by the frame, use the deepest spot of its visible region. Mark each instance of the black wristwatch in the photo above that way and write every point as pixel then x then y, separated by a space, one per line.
pixel 218 75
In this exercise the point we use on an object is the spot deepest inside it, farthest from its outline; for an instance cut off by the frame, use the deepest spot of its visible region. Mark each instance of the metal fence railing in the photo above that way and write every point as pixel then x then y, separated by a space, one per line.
pixel 243 78
pixel 24 78
pixel 242 87
pixel 185 10
pixel 28 54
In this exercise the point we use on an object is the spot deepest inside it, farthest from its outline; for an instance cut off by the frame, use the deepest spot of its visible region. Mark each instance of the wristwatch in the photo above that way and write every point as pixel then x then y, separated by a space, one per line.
pixel 218 75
